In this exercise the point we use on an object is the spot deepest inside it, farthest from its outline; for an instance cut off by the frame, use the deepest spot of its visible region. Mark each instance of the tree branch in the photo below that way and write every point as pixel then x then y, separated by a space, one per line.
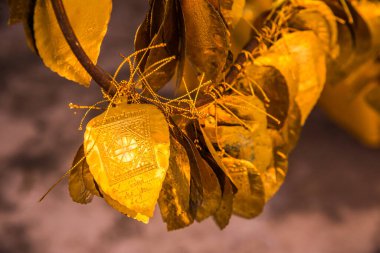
pixel 101 77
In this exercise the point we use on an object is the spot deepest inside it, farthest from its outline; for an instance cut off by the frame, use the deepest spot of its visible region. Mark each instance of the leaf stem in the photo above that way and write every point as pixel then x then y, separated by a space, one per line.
pixel 101 77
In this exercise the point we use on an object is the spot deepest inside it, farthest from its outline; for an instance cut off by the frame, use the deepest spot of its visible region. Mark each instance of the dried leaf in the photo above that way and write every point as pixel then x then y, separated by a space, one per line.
pixel 127 150
pixel 206 39
pixel 79 178
pixel 21 11
pixel 174 199
pixel 90 30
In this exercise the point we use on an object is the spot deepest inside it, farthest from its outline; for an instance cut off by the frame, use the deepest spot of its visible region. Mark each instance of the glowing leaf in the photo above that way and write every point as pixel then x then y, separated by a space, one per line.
pixel 89 20
pixel 127 149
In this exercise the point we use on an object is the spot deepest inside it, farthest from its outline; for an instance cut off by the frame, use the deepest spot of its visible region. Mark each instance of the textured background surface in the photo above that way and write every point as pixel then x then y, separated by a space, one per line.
pixel 329 203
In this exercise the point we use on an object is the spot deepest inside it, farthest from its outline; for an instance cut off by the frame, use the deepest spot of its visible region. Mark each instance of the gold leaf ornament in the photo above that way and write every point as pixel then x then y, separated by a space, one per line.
pixel 81 183
pixel 89 20
pixel 127 149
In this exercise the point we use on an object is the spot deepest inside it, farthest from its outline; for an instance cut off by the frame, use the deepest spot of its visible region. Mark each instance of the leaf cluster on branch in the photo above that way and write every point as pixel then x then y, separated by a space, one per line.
pixel 244 75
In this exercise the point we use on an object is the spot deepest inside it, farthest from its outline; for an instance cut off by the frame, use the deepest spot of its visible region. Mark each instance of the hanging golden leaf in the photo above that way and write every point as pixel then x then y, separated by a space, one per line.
pixel 174 199
pixel 127 149
pixel 89 20
pixel 160 26
pixel 301 60
pixel 206 40
pixel 268 84
pixel 79 178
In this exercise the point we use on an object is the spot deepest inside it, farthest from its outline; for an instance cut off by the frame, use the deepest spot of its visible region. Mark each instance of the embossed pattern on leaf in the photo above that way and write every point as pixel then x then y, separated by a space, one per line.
pixel 127 149
pixel 89 20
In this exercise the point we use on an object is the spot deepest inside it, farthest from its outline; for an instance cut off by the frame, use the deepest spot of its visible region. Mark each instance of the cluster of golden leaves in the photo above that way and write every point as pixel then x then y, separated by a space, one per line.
pixel 230 155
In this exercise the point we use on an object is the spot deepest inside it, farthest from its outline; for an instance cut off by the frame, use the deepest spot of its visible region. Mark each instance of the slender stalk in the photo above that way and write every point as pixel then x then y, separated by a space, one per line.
pixel 101 77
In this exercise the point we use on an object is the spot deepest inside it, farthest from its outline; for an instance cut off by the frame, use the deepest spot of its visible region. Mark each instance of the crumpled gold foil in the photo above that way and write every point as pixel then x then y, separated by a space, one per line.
pixel 127 149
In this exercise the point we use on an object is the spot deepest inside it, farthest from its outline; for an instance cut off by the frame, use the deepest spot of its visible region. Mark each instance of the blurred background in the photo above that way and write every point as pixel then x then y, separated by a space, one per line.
pixel 329 203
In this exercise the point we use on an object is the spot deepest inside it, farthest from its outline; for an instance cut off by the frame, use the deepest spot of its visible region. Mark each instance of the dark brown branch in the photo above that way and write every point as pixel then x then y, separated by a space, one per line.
pixel 101 77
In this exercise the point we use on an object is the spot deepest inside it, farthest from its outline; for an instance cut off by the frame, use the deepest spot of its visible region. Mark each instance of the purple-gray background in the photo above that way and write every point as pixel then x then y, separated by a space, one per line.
pixel 330 202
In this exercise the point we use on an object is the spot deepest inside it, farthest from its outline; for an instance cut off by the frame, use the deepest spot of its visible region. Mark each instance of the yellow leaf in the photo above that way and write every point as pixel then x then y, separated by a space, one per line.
pixel 302 61
pixel 78 177
pixel 89 20
pixel 127 149
pixel 174 200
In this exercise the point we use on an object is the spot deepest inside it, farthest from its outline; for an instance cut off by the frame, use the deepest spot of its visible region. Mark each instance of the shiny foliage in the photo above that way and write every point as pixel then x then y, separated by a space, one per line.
pixel 221 147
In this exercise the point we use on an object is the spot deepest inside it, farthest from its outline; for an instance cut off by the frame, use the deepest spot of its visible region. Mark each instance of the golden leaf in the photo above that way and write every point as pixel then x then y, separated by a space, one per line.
pixel 127 149
pixel 318 17
pixel 250 198
pixel 301 60
pixel 160 26
pixel 79 178
pixel 21 11
pixel 241 134
pixel 174 199
pixel 206 39
pixel 89 20
pixel 223 213
pixel 268 84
